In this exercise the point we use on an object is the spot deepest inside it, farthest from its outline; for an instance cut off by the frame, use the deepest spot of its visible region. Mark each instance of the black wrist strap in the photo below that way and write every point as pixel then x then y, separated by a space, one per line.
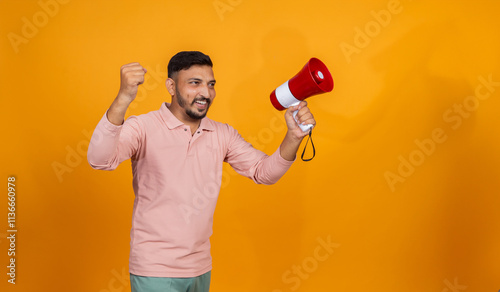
pixel 312 144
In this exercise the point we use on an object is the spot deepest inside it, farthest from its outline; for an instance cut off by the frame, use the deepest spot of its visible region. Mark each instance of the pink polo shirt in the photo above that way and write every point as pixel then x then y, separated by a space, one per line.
pixel 176 179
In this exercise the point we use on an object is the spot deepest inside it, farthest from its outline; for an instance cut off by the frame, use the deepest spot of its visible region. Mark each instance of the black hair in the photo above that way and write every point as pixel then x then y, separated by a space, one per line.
pixel 185 59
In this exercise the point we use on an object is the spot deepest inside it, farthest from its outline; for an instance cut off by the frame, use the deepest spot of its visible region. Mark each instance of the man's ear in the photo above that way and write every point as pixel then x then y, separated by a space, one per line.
pixel 170 84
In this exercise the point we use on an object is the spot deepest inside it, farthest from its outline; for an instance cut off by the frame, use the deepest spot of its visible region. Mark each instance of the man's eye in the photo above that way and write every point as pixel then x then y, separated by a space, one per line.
pixel 211 84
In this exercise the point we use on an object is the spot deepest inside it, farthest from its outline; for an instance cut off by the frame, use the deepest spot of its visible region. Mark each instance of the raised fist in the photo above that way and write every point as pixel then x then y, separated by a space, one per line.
pixel 132 75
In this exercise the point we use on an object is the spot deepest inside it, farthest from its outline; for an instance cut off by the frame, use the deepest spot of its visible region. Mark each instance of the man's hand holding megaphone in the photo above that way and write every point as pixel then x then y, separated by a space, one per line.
pixel 295 134
pixel 303 117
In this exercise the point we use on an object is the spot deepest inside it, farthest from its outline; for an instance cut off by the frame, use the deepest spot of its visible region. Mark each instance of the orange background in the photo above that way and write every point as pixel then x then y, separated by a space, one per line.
pixel 403 217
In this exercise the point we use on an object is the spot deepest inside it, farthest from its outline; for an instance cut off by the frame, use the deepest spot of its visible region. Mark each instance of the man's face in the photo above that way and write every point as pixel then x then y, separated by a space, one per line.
pixel 194 90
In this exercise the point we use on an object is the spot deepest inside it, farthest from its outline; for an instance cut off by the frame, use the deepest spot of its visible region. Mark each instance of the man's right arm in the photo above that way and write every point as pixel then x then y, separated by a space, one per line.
pixel 113 141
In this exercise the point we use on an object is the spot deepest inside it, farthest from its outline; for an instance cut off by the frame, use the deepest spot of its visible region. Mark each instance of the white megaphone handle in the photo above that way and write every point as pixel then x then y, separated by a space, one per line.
pixel 304 128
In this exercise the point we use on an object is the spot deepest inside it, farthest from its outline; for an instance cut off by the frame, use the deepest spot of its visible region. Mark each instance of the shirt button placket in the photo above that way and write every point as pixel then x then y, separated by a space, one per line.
pixel 190 139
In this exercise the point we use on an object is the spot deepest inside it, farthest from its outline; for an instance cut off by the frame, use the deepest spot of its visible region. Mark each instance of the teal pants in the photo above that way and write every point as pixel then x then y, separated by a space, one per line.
pixel 161 284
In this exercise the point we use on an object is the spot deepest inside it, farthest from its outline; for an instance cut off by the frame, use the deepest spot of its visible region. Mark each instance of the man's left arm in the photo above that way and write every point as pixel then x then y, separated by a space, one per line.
pixel 258 166
pixel 294 135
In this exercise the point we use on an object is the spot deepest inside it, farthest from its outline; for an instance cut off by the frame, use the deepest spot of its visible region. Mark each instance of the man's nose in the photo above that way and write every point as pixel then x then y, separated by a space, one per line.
pixel 204 91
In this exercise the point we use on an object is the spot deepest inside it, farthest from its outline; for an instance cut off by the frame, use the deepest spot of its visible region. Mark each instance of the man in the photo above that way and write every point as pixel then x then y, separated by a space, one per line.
pixel 177 155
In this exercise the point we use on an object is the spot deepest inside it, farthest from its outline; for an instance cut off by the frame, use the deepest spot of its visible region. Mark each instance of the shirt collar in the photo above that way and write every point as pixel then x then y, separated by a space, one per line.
pixel 172 122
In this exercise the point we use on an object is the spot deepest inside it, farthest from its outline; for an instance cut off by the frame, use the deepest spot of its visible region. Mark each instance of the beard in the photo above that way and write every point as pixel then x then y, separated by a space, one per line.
pixel 197 114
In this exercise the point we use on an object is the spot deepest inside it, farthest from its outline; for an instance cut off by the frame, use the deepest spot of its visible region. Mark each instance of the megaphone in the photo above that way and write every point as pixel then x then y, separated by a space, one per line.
pixel 313 79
